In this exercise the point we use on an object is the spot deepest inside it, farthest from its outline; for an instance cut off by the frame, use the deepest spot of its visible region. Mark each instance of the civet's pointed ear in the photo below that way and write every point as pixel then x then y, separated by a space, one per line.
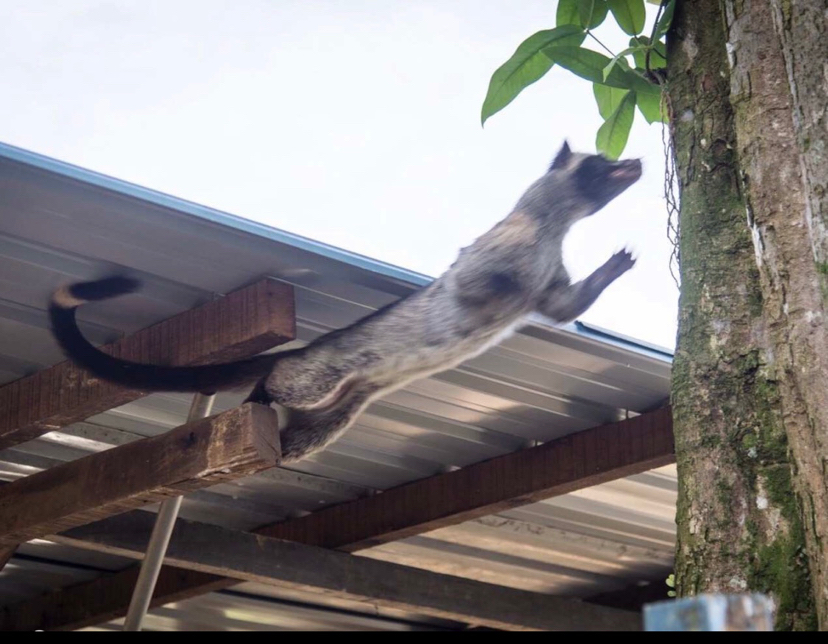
pixel 562 158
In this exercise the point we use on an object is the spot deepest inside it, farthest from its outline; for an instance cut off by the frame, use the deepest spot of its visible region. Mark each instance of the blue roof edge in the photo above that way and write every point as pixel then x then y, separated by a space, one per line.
pixel 619 339
pixel 106 182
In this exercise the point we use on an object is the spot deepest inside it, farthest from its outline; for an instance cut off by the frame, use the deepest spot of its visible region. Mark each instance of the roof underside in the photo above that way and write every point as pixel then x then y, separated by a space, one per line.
pixel 59 223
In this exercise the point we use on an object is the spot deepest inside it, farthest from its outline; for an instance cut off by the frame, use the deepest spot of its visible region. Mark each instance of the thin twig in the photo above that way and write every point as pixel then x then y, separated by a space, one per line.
pixel 652 36
pixel 608 50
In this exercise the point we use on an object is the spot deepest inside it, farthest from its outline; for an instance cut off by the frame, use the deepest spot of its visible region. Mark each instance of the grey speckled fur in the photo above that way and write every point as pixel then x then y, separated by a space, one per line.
pixel 514 269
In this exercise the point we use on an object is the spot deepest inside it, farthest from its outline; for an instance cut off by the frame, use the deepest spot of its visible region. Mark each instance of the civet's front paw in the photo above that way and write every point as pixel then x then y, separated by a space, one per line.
pixel 617 265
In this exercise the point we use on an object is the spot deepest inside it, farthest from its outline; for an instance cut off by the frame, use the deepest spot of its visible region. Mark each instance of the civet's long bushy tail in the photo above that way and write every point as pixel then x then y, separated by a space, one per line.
pixel 206 379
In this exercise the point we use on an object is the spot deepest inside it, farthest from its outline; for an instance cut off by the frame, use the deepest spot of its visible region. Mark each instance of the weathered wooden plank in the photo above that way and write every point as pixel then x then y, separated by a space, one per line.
pixel 249 557
pixel 584 459
pixel 94 602
pixel 243 323
pixel 237 443
pixel 6 553
pixel 445 499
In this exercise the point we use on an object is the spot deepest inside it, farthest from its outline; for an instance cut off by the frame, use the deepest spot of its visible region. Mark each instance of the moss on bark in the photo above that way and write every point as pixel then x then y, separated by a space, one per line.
pixel 777 104
pixel 737 515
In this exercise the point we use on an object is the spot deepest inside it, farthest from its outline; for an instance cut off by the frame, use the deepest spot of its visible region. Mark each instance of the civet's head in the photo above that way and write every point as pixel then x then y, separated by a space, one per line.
pixel 578 185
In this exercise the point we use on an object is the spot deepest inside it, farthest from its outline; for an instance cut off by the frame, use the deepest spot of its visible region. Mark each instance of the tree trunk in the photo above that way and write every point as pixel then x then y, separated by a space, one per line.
pixel 739 523
pixel 784 172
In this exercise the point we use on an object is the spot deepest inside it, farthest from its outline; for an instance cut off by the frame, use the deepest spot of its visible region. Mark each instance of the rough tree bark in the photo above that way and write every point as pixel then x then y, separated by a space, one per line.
pixel 784 181
pixel 739 519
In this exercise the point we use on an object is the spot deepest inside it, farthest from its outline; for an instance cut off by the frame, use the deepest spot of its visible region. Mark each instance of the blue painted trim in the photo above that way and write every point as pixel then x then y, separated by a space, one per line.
pixel 612 337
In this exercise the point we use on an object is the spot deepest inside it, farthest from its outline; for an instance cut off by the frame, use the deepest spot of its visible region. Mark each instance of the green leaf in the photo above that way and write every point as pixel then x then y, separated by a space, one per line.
pixel 592 12
pixel 527 65
pixel 663 24
pixel 590 65
pixel 613 134
pixel 618 58
pixel 658 55
pixel 649 104
pixel 608 98
pixel 640 55
pixel 567 13
pixel 639 83
pixel 629 14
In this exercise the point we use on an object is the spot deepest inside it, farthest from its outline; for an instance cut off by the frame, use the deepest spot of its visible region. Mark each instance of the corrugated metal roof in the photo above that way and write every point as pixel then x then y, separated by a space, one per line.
pixel 61 223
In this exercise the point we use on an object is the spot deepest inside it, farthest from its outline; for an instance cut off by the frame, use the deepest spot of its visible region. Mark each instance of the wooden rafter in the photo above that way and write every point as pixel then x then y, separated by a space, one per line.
pixel 580 460
pixel 236 443
pixel 249 557
pixel 6 553
pixel 574 462
pixel 242 323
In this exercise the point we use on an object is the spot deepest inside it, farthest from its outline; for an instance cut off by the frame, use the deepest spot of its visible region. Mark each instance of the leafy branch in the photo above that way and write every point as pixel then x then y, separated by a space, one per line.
pixel 632 78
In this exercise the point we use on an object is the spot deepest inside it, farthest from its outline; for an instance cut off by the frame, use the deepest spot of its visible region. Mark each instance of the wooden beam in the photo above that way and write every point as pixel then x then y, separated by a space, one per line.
pixel 243 323
pixel 605 453
pixel 634 596
pixel 249 557
pixel 91 602
pixel 574 462
pixel 237 443
pixel 6 553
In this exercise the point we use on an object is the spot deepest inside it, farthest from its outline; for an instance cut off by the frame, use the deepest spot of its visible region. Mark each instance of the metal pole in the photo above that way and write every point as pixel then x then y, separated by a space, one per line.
pixel 161 533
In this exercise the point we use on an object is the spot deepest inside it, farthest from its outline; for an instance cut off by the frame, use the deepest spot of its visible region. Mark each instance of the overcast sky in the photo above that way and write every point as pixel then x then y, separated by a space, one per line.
pixel 354 123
